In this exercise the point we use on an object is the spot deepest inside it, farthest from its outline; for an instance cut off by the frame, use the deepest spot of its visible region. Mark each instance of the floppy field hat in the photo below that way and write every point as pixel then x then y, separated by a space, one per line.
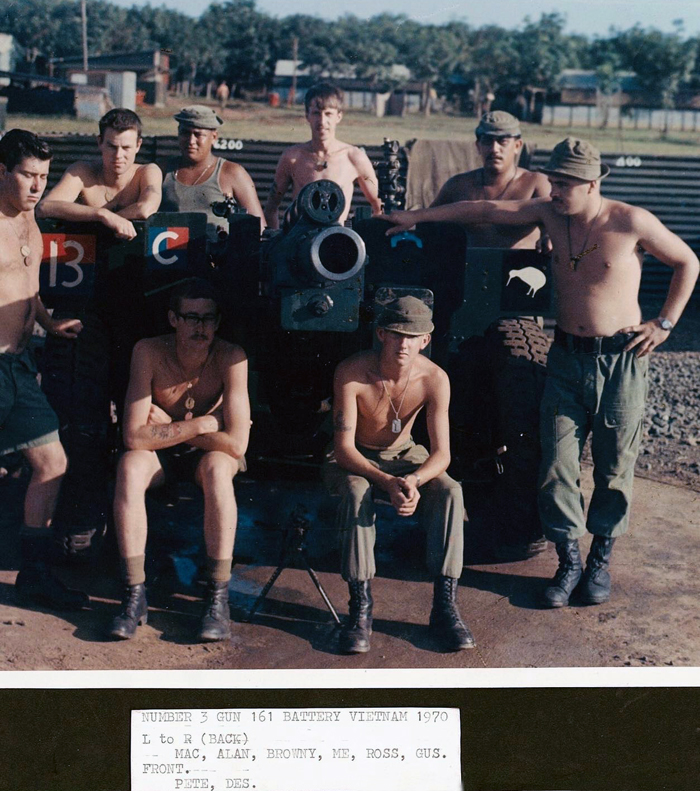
pixel 576 159
pixel 498 124
pixel 407 315
pixel 199 116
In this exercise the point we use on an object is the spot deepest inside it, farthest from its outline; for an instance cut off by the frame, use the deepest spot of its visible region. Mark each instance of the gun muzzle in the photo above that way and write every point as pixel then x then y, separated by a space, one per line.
pixel 335 253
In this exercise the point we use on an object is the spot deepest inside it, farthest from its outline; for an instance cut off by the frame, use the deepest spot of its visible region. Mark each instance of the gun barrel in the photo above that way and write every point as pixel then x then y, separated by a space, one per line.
pixel 336 253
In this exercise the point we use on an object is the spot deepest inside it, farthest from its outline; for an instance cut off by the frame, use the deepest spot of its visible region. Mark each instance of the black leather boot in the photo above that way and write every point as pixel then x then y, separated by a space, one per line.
pixel 446 624
pixel 134 612
pixel 37 584
pixel 216 623
pixel 568 574
pixel 354 636
pixel 595 583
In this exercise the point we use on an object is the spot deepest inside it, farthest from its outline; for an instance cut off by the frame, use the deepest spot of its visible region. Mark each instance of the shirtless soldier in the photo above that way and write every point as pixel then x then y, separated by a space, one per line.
pixel 323 157
pixel 113 191
pixel 187 414
pixel 197 178
pixel 27 422
pixel 499 142
pixel 597 368
pixel 377 398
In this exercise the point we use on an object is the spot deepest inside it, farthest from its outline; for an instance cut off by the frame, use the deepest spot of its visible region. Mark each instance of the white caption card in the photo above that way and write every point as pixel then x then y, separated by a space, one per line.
pixel 327 749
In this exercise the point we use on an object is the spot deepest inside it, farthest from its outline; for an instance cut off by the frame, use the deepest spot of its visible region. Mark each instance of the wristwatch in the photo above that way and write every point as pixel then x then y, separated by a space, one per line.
pixel 665 324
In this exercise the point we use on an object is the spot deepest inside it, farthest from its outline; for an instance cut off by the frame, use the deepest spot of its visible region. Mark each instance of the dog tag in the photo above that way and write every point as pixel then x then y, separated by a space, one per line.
pixel 188 416
pixel 189 403
pixel 396 426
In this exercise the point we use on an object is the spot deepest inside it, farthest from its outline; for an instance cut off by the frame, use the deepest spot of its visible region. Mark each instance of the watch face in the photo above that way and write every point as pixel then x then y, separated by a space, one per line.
pixel 666 324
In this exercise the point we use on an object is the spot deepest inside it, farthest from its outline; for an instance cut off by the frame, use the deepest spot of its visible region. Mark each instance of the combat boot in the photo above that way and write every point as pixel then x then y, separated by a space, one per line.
pixel 595 583
pixel 568 574
pixel 134 612
pixel 355 634
pixel 37 584
pixel 446 624
pixel 216 623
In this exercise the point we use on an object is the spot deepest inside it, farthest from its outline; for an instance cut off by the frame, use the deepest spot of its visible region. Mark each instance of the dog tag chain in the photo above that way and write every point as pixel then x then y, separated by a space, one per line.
pixel 396 425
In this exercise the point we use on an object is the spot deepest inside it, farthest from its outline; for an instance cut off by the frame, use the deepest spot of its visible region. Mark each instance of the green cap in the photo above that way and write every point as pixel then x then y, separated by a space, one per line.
pixel 498 123
pixel 576 159
pixel 407 315
pixel 199 116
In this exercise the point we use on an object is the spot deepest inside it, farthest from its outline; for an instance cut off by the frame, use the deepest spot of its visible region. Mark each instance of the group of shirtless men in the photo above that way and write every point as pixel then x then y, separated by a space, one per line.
pixel 187 409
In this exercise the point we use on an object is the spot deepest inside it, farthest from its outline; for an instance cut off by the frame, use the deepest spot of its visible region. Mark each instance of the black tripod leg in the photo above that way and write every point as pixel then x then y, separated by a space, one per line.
pixel 320 588
pixel 266 590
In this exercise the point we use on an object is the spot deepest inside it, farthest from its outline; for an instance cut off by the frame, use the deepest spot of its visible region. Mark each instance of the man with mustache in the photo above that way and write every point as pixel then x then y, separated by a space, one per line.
pixel 597 367
pixel 27 422
pixel 114 190
pixel 499 142
pixel 187 414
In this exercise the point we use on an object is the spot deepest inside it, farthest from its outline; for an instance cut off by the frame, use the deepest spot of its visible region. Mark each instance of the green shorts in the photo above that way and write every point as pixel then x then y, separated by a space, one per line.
pixel 26 419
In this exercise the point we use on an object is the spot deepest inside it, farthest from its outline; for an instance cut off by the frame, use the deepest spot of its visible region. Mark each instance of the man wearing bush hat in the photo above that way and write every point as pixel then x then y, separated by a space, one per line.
pixel 499 142
pixel 378 395
pixel 597 367
pixel 197 179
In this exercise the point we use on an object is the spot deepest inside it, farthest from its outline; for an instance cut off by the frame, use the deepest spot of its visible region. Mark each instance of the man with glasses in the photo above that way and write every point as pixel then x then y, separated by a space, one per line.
pixel 187 414
pixel 499 142
pixel 197 179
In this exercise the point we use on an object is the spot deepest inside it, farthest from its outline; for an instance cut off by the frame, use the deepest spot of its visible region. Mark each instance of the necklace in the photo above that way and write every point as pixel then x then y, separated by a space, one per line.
pixel 199 178
pixel 189 401
pixel 24 249
pixel 574 259
pixel 504 190
pixel 318 164
pixel 396 422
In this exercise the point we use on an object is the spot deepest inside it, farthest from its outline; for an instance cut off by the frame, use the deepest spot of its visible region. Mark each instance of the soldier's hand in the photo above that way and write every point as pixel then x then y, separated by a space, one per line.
pixel 544 244
pixel 65 328
pixel 648 336
pixel 123 228
pixel 401 221
pixel 158 416
pixel 410 489
pixel 397 494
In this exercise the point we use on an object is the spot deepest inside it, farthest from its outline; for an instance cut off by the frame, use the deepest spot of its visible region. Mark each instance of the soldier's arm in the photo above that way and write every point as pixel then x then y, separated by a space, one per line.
pixel 139 433
pixel 282 182
pixel 236 181
pixel 64 328
pixel 448 191
pixel 232 436
pixel 437 419
pixel 60 204
pixel 671 250
pixel 500 212
pixel 150 193
pixel 366 178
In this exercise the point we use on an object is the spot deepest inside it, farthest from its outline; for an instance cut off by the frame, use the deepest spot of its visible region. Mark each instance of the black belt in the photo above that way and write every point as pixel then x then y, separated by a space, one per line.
pixel 610 344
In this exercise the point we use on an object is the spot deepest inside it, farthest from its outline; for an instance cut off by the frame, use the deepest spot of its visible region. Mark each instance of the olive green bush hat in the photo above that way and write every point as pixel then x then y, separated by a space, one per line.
pixel 407 315
pixel 198 116
pixel 498 124
pixel 576 159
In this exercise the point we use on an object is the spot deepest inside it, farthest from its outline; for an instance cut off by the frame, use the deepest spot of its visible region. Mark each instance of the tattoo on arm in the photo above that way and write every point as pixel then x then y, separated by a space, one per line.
pixel 166 431
pixel 339 423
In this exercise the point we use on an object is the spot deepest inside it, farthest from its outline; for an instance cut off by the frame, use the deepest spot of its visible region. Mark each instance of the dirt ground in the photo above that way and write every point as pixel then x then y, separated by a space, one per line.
pixel 651 621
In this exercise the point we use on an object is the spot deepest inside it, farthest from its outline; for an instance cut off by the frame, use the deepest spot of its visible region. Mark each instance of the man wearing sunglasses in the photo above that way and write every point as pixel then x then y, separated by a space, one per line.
pixel 499 142
pixel 187 415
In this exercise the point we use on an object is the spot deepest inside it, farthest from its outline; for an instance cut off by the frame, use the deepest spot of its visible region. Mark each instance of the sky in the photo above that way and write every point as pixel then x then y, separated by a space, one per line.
pixel 590 17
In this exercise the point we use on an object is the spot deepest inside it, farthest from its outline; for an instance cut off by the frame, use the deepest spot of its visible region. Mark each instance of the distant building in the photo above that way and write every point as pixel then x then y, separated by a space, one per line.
pixel 152 69
pixel 10 54
pixel 360 94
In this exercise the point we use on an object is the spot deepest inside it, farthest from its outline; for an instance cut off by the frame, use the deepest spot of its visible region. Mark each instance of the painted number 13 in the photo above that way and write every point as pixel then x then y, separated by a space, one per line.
pixel 73 264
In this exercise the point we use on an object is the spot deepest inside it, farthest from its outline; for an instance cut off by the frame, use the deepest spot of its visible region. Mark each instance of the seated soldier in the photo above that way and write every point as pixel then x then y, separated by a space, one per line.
pixel 187 413
pixel 377 398
pixel 323 157
pixel 499 141
pixel 197 178
pixel 114 190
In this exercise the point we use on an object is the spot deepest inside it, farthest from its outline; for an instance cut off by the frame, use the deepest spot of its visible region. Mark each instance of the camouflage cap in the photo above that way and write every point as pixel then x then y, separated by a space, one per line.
pixel 408 316
pixel 576 159
pixel 198 116
pixel 498 124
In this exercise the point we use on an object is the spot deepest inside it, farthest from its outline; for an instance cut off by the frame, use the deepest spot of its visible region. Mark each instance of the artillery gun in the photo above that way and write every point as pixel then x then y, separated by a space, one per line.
pixel 299 300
